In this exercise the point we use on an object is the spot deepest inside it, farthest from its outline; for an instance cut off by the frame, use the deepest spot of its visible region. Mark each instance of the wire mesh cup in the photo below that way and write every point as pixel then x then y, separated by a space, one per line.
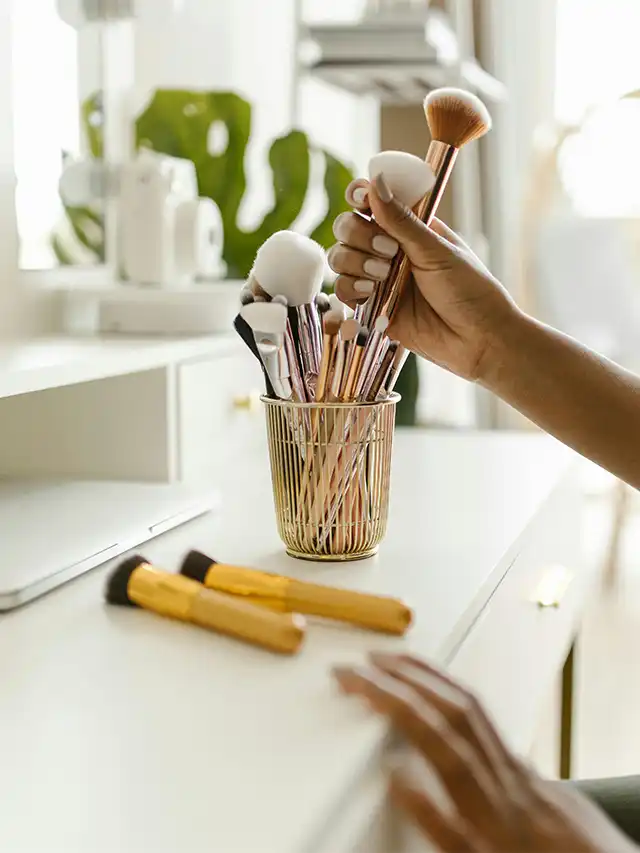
pixel 330 469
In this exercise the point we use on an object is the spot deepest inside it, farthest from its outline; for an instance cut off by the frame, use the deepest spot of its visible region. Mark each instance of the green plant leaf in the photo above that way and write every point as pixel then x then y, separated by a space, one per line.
pixel 92 117
pixel 177 122
pixel 63 255
pixel 88 228
pixel 290 166
pixel 337 178
pixel 408 386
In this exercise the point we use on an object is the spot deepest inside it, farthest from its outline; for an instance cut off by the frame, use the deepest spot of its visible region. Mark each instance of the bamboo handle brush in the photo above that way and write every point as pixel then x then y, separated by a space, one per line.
pixel 378 613
pixel 136 583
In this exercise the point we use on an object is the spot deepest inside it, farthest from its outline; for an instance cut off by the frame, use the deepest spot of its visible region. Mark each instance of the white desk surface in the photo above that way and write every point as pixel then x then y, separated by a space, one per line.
pixel 39 363
pixel 122 731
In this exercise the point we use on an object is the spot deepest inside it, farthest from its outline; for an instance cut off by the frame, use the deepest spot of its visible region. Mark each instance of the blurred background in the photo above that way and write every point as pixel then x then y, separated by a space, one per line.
pixel 278 104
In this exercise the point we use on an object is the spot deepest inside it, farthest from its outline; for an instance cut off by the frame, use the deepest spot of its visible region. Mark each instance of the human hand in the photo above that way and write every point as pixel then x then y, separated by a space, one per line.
pixel 499 805
pixel 451 311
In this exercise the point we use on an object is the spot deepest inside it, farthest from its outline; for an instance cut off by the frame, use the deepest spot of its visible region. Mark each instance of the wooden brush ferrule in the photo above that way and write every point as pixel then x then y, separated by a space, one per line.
pixel 164 593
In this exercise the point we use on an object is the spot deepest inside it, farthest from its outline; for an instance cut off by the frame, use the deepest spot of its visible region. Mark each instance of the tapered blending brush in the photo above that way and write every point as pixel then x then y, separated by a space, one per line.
pixel 455 118
pixel 378 613
pixel 136 583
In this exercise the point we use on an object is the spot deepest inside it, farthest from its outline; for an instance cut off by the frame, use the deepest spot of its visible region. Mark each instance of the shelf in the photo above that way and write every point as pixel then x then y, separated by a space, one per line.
pixel 40 363
pixel 405 82
pixel 397 61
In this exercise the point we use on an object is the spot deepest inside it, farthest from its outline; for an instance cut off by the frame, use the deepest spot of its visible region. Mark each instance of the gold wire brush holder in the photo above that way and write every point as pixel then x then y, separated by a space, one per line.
pixel 330 469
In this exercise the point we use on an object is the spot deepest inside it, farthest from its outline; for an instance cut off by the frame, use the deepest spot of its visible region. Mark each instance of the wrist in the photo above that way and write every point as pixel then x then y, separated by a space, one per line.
pixel 505 342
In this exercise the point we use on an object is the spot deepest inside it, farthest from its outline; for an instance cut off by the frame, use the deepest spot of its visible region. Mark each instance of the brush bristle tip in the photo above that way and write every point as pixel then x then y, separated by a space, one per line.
pixel 117 588
pixel 196 565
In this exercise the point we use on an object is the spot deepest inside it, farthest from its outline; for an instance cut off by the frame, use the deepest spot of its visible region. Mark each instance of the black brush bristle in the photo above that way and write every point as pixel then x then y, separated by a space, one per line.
pixel 363 336
pixel 116 591
pixel 196 565
pixel 246 333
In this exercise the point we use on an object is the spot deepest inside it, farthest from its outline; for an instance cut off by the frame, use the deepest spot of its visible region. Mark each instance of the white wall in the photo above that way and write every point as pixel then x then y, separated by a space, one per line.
pixel 10 303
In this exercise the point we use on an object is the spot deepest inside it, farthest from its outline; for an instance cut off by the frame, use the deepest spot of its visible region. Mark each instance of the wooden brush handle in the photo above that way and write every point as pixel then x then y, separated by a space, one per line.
pixel 280 632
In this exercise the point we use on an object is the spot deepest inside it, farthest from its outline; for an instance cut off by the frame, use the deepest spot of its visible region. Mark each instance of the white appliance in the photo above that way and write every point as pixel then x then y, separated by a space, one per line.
pixel 169 237
pixel 54 531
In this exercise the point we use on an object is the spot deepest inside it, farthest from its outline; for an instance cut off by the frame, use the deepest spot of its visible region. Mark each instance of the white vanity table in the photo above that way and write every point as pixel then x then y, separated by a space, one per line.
pixel 121 731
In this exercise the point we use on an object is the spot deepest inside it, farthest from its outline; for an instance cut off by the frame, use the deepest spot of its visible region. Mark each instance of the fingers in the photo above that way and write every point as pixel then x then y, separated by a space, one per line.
pixel 356 194
pixel 426 249
pixel 352 291
pixel 460 708
pixel 360 265
pixel 464 777
pixel 441 829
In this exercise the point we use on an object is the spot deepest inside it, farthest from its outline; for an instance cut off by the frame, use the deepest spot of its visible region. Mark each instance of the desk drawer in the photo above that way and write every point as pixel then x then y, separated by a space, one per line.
pixel 515 650
pixel 218 413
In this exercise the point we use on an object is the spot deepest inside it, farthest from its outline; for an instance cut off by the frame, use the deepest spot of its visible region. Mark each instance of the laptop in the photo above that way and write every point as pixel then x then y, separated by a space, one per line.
pixel 54 531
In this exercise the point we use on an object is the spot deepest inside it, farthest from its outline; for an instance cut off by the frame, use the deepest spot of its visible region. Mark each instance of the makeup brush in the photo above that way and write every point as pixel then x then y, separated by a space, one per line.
pixel 246 296
pixel 323 303
pixel 348 332
pixel 349 392
pixel 376 612
pixel 136 583
pixel 331 328
pixel 246 333
pixel 455 118
pixel 376 345
pixel 290 264
pixel 382 372
pixel 399 358
pixel 269 321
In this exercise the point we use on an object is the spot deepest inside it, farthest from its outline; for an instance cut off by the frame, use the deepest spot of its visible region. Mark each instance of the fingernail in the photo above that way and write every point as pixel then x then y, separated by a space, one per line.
pixel 383 189
pixel 384 245
pixel 376 268
pixel 359 195
pixel 363 285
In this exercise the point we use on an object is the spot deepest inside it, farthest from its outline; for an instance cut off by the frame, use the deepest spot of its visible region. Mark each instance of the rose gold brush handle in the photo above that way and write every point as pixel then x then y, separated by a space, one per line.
pixel 441 157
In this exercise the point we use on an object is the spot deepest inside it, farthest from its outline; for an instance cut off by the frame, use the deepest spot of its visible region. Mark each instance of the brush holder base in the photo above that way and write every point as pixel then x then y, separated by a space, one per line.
pixel 330 470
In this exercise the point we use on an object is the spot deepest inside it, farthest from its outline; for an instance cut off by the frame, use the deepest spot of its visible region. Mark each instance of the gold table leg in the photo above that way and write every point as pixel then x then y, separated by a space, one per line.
pixel 567 713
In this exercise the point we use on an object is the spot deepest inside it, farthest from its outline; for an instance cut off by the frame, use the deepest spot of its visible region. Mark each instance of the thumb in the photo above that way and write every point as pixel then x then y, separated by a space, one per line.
pixel 424 248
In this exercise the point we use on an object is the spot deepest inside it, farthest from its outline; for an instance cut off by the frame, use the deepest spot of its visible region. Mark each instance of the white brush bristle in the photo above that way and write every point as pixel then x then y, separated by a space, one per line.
pixel 456 116
pixel 292 265
pixel 270 317
pixel 409 177
pixel 336 305
pixel 381 324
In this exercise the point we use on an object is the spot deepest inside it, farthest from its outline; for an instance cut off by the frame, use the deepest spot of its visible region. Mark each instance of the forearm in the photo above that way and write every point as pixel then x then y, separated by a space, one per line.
pixel 583 399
